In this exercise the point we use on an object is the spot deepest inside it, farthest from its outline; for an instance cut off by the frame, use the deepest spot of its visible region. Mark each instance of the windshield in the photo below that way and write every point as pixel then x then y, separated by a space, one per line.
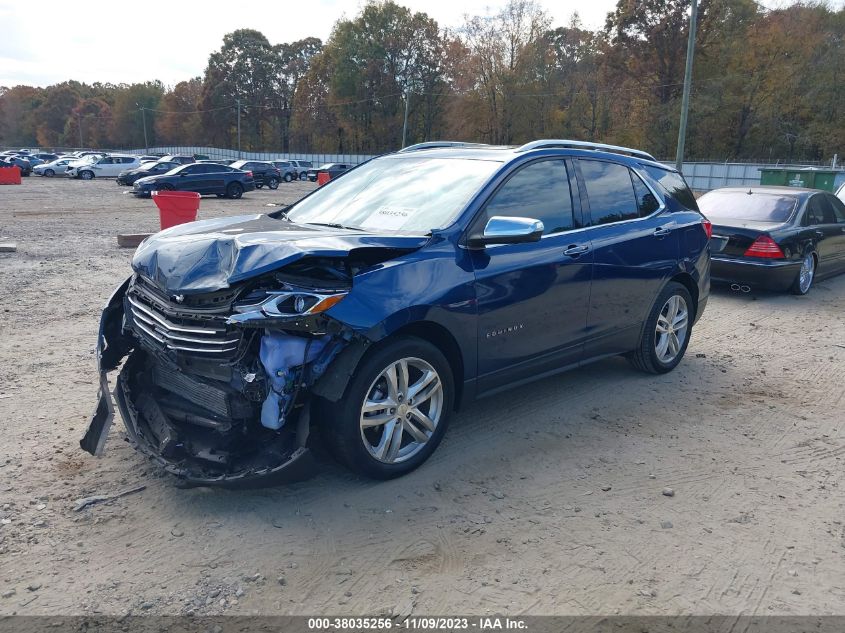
pixel 741 205
pixel 397 194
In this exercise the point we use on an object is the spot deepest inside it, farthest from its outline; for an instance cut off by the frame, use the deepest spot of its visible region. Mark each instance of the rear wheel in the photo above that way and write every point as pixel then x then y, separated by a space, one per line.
pixel 804 281
pixel 86 175
pixel 288 177
pixel 234 191
pixel 273 183
pixel 666 332
pixel 303 176
pixel 395 410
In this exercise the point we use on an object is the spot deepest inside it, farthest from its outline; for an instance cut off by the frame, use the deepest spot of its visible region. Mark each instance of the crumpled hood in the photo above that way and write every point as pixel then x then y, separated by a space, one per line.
pixel 213 254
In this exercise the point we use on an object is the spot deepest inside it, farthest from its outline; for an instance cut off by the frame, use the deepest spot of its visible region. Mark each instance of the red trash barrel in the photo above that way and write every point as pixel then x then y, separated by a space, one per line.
pixel 10 175
pixel 176 207
pixel 323 177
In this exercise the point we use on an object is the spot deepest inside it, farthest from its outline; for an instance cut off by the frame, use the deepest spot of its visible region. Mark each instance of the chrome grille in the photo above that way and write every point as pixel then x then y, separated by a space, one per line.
pixel 201 336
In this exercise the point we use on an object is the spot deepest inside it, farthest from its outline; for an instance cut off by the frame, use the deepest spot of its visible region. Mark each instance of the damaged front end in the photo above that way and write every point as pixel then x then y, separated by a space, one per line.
pixel 217 386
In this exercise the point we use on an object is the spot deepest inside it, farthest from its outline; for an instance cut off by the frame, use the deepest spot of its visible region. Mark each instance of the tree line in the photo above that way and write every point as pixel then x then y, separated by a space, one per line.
pixel 766 85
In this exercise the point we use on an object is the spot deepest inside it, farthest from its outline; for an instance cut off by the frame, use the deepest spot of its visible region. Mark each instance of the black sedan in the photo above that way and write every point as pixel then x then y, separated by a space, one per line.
pixel 204 178
pixel 129 176
pixel 775 238
pixel 333 169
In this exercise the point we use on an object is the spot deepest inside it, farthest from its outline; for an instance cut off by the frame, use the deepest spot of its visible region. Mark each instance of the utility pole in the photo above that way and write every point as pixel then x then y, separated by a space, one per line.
pixel 682 129
pixel 239 127
pixel 405 124
pixel 144 119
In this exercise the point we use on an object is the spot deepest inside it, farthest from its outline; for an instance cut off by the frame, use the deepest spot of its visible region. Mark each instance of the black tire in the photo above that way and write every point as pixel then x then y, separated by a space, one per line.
pixel 645 357
pixel 49 173
pixel 273 183
pixel 288 177
pixel 303 176
pixel 341 420
pixel 219 195
pixel 257 186
pixel 801 286
pixel 234 191
pixel 86 175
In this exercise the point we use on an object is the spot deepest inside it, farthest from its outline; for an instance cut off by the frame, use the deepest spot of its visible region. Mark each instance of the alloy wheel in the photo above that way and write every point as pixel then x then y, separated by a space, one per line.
pixel 671 330
pixel 401 411
pixel 807 272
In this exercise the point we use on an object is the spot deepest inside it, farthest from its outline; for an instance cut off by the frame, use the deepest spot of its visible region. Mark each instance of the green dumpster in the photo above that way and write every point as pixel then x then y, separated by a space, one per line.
pixel 809 177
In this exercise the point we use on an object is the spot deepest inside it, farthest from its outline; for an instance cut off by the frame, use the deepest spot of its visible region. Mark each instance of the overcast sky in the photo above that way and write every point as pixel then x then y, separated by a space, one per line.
pixel 46 42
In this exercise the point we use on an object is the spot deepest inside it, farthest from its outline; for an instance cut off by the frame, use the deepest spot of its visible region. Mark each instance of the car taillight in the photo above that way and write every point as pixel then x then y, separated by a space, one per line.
pixel 249 173
pixel 766 247
pixel 708 227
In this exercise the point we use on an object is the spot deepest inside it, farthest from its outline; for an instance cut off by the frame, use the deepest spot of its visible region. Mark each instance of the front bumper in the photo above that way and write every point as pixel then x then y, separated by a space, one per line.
pixel 141 189
pixel 777 275
pixel 180 446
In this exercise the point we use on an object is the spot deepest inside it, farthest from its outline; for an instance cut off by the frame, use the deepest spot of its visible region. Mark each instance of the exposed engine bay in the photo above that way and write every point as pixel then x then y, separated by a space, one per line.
pixel 217 387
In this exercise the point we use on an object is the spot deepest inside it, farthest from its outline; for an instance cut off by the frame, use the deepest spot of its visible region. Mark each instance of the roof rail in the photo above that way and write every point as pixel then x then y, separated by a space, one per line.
pixel 437 144
pixel 598 147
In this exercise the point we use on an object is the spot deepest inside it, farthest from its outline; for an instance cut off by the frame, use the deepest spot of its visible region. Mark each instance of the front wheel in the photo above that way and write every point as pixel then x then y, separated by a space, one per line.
pixel 273 183
pixel 666 332
pixel 86 175
pixel 804 281
pixel 303 176
pixel 288 177
pixel 49 173
pixel 234 190
pixel 395 410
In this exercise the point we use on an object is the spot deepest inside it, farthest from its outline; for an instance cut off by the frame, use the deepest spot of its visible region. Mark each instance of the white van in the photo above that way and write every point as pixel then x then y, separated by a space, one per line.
pixel 106 167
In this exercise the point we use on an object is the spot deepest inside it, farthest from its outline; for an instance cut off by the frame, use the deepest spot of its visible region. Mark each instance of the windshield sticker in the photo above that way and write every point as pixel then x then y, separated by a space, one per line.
pixel 389 218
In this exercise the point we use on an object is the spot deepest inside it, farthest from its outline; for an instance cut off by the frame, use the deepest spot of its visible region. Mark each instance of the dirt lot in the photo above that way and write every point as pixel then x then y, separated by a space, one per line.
pixel 545 500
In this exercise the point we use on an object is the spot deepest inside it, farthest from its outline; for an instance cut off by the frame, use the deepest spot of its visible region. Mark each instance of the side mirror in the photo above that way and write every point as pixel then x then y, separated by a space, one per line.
pixel 508 230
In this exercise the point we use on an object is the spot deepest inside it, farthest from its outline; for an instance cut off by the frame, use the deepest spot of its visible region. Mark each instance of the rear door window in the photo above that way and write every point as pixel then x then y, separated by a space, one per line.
pixel 610 192
pixel 539 191
pixel 647 202
pixel 838 208
pixel 819 211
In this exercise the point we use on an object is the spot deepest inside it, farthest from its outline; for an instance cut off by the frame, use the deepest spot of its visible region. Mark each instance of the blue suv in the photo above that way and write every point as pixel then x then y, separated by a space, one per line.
pixel 377 304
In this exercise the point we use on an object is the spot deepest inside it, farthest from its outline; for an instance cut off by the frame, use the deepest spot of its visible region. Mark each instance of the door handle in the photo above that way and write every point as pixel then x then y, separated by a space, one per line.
pixel 575 251
pixel 660 231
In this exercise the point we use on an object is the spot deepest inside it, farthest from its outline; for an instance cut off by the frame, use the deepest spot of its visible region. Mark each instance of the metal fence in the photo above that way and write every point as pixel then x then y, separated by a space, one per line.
pixel 221 153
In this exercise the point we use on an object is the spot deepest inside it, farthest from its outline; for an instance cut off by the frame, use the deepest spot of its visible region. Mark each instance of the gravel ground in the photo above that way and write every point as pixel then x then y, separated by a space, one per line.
pixel 715 489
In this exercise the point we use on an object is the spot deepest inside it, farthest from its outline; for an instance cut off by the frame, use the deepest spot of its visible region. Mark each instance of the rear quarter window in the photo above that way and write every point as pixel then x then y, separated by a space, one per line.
pixel 674 184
